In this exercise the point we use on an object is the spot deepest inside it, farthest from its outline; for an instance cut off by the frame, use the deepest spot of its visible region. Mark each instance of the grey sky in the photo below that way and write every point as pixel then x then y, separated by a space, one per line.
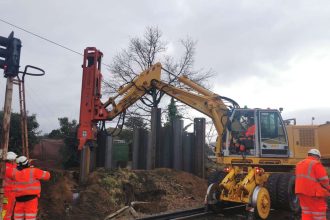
pixel 264 53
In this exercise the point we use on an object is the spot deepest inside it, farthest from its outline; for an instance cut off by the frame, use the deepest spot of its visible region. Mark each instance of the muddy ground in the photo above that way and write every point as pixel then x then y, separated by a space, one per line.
pixel 105 192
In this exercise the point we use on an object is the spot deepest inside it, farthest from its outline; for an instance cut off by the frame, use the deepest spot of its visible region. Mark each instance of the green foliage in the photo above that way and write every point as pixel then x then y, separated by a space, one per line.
pixel 67 131
pixel 55 134
pixel 15 133
pixel 133 122
pixel 172 112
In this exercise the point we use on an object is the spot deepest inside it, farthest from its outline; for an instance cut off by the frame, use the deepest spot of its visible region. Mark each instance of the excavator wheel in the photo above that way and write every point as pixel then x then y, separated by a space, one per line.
pixel 216 177
pixel 286 196
pixel 271 186
pixel 261 202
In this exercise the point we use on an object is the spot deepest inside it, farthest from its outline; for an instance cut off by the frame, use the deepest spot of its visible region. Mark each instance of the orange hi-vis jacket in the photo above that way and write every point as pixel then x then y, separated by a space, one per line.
pixel 250 131
pixel 8 184
pixel 311 178
pixel 27 181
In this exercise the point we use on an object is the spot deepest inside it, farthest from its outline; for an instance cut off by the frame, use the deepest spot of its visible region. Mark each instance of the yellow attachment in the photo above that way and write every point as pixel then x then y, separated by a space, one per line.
pixel 239 184
pixel 228 182
pixel 246 186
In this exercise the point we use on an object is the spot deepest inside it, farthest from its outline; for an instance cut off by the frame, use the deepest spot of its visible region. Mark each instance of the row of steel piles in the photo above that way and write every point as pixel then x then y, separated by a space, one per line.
pixel 170 146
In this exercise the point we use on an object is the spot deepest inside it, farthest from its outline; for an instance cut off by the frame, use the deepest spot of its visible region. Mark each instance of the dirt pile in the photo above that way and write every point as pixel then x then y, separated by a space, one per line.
pixel 154 191
pixel 57 195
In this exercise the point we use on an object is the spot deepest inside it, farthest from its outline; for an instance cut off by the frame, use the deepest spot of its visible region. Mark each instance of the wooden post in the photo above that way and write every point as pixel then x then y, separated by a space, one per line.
pixel 5 132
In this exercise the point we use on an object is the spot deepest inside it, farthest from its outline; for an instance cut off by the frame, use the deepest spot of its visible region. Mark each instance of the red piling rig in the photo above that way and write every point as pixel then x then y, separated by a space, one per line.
pixel 91 107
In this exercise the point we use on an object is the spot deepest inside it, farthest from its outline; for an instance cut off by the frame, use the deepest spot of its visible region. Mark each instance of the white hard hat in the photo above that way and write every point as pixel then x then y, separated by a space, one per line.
pixel 22 160
pixel 314 152
pixel 11 156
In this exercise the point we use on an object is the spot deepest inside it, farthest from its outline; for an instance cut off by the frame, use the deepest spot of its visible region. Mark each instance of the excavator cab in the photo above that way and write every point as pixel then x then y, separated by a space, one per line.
pixel 256 133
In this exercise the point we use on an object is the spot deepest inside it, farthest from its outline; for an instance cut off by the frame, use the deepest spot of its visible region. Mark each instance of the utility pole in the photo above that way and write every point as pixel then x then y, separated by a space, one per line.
pixel 10 51
pixel 5 132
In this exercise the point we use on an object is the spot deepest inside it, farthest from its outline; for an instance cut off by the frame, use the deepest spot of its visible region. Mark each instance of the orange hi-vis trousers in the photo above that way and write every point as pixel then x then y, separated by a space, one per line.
pixel 313 208
pixel 26 210
pixel 9 206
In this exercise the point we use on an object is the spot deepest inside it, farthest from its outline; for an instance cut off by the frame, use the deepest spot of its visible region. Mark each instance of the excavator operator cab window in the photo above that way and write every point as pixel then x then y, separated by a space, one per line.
pixel 273 137
pixel 241 135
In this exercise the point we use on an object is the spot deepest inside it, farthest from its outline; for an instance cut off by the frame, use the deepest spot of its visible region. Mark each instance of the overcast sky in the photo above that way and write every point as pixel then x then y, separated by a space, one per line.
pixel 264 53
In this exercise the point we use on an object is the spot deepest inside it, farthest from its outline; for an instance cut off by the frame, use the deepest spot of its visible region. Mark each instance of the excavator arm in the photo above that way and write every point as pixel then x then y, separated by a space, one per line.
pixel 200 99
pixel 92 109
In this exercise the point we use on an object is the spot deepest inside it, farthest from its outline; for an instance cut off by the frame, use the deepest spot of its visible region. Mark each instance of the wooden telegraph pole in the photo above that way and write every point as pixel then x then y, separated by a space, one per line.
pixel 10 50
pixel 5 132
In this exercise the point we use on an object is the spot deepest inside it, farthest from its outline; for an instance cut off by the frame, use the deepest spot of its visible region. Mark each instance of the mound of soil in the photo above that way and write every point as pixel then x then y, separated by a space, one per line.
pixel 150 192
pixel 57 195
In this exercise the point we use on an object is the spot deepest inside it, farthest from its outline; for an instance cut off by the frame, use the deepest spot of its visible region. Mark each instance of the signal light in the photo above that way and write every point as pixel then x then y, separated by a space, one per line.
pixel 10 51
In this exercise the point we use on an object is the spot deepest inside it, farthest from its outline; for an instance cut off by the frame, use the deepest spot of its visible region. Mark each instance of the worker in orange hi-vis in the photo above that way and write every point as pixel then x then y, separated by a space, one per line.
pixel 8 185
pixel 247 141
pixel 312 186
pixel 27 189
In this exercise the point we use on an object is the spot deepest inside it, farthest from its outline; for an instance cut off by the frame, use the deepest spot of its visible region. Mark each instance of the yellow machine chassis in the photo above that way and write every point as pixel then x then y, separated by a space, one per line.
pixel 246 185
pixel 258 161
pixel 241 191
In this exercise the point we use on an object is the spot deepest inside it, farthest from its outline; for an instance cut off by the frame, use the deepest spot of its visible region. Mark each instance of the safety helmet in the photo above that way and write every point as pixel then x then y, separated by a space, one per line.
pixel 314 152
pixel 11 156
pixel 22 160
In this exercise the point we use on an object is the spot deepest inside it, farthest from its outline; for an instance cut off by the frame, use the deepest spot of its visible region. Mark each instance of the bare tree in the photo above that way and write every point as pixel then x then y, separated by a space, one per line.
pixel 143 52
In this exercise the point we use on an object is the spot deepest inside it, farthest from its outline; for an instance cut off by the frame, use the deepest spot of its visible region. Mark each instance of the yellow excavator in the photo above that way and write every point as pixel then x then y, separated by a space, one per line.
pixel 259 165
